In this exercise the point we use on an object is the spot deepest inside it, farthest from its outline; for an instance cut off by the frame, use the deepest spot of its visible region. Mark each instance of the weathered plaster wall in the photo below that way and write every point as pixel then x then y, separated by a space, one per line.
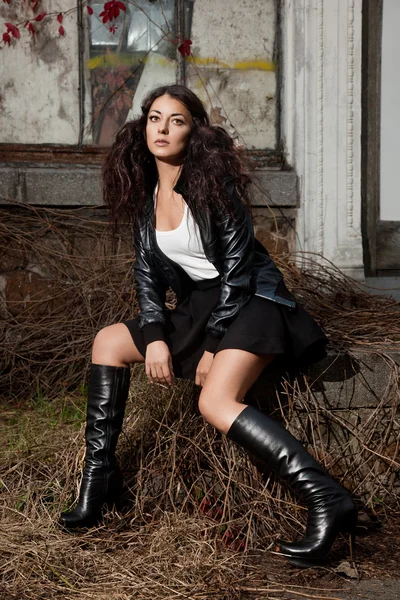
pixel 233 69
pixel 321 125
pixel 39 95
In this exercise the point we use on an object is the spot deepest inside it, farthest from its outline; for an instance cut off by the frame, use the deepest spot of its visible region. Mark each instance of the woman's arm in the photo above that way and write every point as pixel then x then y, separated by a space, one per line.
pixel 151 295
pixel 236 238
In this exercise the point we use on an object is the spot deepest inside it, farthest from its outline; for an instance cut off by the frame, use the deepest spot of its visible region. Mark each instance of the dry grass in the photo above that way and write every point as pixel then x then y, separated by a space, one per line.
pixel 198 518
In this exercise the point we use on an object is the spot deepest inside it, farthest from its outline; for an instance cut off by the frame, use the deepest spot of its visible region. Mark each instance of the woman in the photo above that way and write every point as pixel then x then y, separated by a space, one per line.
pixel 181 183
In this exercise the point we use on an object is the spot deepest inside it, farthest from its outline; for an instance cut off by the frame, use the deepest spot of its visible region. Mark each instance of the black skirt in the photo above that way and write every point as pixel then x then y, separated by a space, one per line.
pixel 262 327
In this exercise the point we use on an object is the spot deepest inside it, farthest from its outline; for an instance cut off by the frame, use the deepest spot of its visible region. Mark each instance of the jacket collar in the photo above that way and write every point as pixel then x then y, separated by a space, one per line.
pixel 180 188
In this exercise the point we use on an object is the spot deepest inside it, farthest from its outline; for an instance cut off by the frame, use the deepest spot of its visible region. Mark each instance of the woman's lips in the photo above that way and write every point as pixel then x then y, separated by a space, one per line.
pixel 161 143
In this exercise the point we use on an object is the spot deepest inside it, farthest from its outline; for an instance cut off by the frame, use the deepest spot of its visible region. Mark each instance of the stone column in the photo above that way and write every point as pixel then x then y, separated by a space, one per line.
pixel 321 124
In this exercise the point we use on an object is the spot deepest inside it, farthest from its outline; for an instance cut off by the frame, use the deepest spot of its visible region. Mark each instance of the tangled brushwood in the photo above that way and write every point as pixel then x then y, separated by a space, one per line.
pixel 197 516
pixel 65 277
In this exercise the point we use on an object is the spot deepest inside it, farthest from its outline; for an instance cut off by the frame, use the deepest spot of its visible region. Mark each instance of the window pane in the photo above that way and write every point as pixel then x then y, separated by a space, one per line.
pixel 233 68
pixel 123 65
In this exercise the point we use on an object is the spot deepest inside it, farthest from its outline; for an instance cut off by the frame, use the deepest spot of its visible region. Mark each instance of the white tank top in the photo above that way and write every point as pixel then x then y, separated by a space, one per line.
pixel 183 245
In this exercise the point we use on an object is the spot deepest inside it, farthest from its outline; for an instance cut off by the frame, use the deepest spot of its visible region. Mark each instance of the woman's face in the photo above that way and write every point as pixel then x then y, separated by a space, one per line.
pixel 167 129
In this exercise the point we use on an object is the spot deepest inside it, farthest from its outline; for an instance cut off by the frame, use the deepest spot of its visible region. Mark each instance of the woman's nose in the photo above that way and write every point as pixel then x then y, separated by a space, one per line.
pixel 163 127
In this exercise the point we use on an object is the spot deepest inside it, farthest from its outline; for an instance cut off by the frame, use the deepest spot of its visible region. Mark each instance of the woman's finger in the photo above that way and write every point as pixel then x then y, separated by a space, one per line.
pixel 170 366
pixel 198 379
pixel 167 374
pixel 148 373
pixel 160 374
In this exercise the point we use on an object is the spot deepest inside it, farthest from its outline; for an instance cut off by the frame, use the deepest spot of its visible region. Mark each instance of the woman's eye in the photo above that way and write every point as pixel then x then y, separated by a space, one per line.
pixel 153 118
pixel 178 122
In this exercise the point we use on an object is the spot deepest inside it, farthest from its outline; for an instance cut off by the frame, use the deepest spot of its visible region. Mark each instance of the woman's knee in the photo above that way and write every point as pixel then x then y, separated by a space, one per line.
pixel 113 345
pixel 106 337
pixel 219 409
pixel 215 409
pixel 205 406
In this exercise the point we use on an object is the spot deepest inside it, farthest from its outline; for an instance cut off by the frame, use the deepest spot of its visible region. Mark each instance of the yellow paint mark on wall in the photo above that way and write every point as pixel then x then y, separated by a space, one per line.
pixel 257 65
pixel 197 60
pixel 120 60
pixel 242 65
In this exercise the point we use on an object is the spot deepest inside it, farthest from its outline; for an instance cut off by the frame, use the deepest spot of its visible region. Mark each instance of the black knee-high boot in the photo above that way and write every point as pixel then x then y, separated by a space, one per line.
pixel 102 480
pixel 330 508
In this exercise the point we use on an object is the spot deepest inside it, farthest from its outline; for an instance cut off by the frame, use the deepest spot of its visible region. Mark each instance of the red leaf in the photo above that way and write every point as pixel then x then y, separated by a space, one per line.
pixel 7 2
pixel 40 17
pixel 184 48
pixel 60 18
pixel 113 28
pixel 61 30
pixel 13 29
pixel 7 38
pixel 35 6
pixel 111 10
pixel 105 16
pixel 31 29
pixel 90 10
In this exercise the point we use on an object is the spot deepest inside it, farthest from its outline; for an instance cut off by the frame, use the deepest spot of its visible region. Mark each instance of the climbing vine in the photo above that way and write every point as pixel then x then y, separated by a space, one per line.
pixel 35 15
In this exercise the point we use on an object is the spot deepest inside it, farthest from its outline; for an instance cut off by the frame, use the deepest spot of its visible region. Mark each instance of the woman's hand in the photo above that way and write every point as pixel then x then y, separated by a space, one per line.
pixel 203 368
pixel 159 363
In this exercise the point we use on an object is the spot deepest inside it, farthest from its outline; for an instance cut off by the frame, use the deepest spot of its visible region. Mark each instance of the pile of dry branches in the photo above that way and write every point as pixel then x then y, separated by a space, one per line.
pixel 77 279
pixel 198 517
pixel 74 279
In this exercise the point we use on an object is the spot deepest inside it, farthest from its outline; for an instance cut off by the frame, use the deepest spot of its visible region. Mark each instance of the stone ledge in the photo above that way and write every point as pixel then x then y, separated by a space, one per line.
pixel 66 185
pixel 281 188
pixel 52 186
pixel 341 382
pixel 354 382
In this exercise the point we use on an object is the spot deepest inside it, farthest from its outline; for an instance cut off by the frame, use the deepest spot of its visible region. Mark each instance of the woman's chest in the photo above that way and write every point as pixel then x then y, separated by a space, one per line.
pixel 169 213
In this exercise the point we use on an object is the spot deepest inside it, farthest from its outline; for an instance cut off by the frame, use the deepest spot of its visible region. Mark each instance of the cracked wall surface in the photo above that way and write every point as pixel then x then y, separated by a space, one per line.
pixel 233 69
pixel 39 102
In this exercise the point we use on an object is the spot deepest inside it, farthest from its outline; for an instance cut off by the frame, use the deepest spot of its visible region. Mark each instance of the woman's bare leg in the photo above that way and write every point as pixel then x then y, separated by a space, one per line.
pixel 232 374
pixel 331 509
pixel 113 352
pixel 114 346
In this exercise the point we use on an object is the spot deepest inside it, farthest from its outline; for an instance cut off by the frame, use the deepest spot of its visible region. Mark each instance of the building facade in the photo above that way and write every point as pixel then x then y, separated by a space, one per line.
pixel 308 87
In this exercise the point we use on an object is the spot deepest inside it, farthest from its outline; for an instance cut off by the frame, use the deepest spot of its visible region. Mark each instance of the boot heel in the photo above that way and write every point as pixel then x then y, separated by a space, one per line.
pixel 352 546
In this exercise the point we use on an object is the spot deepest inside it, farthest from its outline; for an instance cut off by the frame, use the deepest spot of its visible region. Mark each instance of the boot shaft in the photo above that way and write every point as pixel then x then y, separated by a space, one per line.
pixel 107 395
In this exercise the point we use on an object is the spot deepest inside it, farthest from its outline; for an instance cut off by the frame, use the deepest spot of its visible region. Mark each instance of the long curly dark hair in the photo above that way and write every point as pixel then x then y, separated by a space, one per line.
pixel 129 171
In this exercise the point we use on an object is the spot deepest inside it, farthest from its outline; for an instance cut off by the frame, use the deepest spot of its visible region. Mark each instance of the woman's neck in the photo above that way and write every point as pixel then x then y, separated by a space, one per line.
pixel 168 175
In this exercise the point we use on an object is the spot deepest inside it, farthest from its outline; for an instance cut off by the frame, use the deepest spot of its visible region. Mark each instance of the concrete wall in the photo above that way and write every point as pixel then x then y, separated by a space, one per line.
pixel 39 101
pixel 233 68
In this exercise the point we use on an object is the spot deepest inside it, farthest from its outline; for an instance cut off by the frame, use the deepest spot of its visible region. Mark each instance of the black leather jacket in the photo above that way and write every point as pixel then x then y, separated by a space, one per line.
pixel 243 263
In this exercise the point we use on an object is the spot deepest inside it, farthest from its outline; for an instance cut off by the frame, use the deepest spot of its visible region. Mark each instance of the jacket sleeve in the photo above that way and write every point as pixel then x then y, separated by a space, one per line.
pixel 236 239
pixel 151 292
